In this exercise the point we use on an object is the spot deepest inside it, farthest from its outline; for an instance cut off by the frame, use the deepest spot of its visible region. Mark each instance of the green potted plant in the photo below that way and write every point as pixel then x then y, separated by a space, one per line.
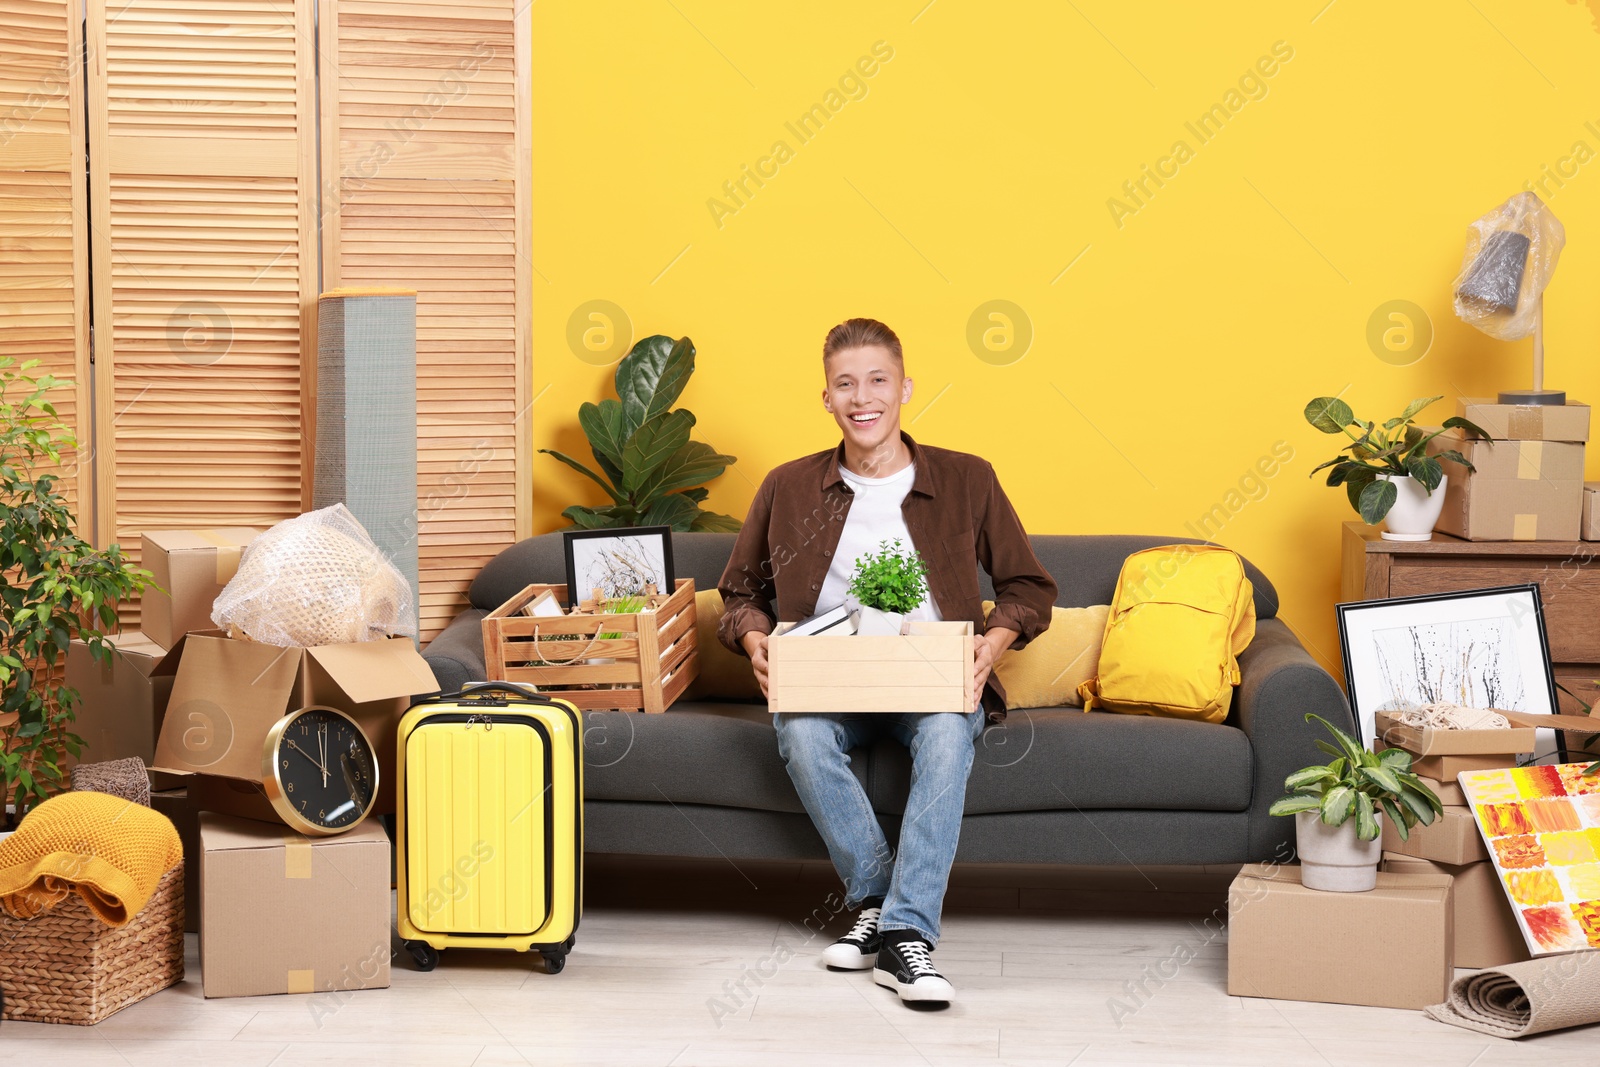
pixel 54 587
pixel 1388 474
pixel 1337 806
pixel 887 584
pixel 651 471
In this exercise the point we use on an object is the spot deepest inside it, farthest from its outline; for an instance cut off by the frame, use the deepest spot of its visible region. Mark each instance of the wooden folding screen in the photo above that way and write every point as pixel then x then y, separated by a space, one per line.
pixel 203 189
pixel 426 185
pixel 44 219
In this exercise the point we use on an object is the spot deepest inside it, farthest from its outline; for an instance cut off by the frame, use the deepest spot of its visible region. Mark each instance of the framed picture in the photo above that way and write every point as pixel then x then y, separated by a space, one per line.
pixel 1483 648
pixel 618 562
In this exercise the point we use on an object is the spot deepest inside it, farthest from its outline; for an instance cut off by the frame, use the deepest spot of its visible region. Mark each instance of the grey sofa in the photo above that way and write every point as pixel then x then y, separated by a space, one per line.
pixel 1050 785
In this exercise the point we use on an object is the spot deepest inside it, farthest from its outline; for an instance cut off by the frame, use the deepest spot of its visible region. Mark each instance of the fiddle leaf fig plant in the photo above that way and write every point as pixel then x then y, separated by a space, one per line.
pixel 892 579
pixel 1378 454
pixel 653 473
pixel 54 587
pixel 1361 784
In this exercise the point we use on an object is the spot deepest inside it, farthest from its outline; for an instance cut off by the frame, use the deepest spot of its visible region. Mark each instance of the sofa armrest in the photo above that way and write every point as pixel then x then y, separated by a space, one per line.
pixel 456 653
pixel 1279 684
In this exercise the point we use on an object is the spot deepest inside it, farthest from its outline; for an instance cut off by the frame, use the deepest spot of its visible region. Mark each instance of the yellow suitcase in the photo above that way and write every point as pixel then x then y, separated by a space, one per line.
pixel 489 823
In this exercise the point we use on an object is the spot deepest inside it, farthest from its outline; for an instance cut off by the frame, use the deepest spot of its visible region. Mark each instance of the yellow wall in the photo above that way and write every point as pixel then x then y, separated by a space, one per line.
pixel 1180 346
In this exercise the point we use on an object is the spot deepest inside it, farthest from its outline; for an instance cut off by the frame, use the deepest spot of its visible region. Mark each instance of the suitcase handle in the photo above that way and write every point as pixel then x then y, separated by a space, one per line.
pixel 476 692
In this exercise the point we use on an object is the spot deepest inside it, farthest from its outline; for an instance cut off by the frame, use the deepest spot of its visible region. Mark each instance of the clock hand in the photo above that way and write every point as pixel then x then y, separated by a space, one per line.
pixel 322 746
pixel 310 757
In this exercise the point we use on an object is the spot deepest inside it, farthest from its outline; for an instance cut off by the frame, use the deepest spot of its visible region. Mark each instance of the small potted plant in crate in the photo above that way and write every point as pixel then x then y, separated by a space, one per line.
pixel 888 584
pixel 1336 808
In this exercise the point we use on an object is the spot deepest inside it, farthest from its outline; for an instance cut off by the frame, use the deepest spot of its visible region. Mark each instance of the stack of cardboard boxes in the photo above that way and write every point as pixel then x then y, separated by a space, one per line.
pixel 1528 485
pixel 1485 930
pixel 277 912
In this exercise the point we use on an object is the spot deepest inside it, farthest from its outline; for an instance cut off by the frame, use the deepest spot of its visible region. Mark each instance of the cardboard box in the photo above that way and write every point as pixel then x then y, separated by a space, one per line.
pixel 192 566
pixel 283 913
pixel 1388 947
pixel 1521 491
pixel 928 669
pixel 1445 768
pixel 174 804
pixel 1526 422
pixel 1452 837
pixel 1426 741
pixel 228 693
pixel 1486 931
pixel 121 705
pixel 1449 793
pixel 1589 528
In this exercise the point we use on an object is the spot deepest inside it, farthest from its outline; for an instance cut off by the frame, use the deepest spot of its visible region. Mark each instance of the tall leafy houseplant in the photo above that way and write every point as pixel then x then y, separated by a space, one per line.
pixel 1379 454
pixel 649 468
pixel 54 587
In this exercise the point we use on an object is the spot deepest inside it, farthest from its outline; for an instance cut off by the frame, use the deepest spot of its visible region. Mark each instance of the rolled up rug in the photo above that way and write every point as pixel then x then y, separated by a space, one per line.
pixel 1519 999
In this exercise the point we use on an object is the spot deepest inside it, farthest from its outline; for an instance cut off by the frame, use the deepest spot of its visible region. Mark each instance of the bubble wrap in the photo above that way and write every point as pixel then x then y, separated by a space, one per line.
pixel 316 579
pixel 1511 254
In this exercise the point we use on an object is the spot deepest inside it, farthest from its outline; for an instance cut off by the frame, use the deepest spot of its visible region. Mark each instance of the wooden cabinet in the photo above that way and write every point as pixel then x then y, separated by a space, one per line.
pixel 1567 572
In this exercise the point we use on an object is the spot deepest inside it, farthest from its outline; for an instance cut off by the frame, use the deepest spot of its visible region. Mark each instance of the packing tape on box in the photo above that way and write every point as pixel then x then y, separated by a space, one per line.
pixel 227 554
pixel 1525 527
pixel 1525 420
pixel 1530 458
pixel 301 982
pixel 296 857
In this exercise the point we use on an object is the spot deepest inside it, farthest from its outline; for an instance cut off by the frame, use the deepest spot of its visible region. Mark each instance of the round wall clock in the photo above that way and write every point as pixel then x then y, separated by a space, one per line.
pixel 319 770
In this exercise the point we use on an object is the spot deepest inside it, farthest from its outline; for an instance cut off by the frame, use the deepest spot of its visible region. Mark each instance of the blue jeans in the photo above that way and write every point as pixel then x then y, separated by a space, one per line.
pixel 815 746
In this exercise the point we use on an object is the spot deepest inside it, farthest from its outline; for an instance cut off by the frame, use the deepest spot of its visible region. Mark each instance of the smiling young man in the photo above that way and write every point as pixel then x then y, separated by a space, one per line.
pixel 809 522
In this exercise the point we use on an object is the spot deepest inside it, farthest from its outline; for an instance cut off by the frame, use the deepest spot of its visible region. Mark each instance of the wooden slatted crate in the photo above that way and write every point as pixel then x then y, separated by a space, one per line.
pixel 648 664
pixel 927 669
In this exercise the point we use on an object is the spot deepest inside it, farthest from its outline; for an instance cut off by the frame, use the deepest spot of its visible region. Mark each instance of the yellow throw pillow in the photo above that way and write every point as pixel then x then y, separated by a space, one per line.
pixel 1047 673
pixel 723 675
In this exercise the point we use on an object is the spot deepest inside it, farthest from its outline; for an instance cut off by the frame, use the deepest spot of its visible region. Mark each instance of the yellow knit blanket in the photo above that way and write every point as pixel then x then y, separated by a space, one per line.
pixel 109 851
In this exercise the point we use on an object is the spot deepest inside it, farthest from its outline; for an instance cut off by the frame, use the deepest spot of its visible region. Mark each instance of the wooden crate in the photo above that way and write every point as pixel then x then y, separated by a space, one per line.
pixel 653 661
pixel 927 669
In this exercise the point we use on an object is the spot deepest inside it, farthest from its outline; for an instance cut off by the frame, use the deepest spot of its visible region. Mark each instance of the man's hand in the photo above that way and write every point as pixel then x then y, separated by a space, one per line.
pixel 986 652
pixel 755 646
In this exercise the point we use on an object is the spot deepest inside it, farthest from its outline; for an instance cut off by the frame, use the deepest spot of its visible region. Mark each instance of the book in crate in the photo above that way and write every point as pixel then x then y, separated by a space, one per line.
pixel 639 661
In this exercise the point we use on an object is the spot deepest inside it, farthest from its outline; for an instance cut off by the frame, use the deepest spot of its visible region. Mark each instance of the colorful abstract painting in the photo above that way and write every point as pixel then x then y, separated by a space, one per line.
pixel 1542 825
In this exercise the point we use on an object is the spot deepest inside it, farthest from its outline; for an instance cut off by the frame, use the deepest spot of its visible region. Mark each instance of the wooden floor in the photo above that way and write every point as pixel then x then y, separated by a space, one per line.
pixel 1040 958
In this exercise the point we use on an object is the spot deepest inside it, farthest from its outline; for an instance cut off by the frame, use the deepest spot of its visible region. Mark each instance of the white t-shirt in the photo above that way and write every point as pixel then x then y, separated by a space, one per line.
pixel 874 518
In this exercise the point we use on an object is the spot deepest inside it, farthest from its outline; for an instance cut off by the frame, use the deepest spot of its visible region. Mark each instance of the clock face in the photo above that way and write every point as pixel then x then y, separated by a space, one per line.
pixel 322 775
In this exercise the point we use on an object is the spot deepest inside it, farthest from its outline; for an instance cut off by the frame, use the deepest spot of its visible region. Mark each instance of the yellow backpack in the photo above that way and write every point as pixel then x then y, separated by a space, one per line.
pixel 1179 619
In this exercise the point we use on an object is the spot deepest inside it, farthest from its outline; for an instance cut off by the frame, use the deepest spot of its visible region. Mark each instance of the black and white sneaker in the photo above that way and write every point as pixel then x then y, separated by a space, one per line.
pixel 905 967
pixel 857 950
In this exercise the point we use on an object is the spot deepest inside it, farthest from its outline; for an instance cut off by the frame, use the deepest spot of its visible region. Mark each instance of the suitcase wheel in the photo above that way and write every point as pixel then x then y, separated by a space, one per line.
pixel 424 955
pixel 554 962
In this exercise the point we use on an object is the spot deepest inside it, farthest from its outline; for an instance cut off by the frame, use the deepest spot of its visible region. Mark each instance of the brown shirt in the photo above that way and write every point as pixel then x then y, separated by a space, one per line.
pixel 958 517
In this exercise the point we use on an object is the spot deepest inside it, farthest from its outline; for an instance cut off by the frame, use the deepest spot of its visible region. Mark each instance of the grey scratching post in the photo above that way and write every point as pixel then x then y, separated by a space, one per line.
pixel 366 444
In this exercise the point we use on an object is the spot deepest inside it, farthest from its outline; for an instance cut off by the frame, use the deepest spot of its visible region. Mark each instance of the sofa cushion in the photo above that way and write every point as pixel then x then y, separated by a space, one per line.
pixel 1047 672
pixel 1050 759
pixel 697 752
pixel 722 675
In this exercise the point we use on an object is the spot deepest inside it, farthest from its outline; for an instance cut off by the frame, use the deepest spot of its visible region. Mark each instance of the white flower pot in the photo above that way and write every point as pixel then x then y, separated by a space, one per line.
pixel 881 623
pixel 1333 858
pixel 1415 509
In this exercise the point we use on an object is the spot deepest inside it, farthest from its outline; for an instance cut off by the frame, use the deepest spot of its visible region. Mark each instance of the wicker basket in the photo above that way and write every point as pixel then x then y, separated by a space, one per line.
pixel 66 966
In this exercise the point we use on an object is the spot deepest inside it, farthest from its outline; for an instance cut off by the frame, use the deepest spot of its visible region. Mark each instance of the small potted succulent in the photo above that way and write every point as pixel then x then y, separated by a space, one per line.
pixel 1336 809
pixel 1388 475
pixel 888 584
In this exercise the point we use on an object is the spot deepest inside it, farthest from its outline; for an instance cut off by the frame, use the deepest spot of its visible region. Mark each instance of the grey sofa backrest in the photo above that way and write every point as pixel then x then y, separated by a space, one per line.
pixel 1085 566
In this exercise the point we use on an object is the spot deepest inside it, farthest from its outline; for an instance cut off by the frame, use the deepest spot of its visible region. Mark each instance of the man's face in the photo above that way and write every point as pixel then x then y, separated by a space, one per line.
pixel 865 390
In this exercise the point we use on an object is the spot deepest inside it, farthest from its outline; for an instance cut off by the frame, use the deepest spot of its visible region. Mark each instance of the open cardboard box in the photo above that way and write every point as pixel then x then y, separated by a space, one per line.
pixel 1427 741
pixel 228 694
pixel 121 704
pixel 928 668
